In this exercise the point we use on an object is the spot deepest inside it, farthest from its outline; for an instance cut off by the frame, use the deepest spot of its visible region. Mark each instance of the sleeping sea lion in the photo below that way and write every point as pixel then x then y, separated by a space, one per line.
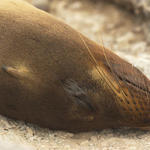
pixel 53 76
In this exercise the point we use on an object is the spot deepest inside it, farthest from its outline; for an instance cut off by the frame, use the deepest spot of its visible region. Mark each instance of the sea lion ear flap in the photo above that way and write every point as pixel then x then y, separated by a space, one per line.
pixel 19 72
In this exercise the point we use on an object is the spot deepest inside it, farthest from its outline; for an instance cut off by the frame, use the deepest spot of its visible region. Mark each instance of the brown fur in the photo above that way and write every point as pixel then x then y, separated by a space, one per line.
pixel 53 76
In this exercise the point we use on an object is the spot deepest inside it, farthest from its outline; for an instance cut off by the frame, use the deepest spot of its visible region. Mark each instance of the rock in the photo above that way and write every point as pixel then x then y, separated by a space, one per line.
pixel 139 7
pixel 9 145
pixel 41 4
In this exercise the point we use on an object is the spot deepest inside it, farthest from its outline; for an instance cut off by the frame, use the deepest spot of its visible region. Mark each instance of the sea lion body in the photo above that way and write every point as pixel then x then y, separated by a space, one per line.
pixel 53 76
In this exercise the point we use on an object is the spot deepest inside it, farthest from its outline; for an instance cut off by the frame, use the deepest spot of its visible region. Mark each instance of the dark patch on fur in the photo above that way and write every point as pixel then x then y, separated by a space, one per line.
pixel 74 90
pixel 129 78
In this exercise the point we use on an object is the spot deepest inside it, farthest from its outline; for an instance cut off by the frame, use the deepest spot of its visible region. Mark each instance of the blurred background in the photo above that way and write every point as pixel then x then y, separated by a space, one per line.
pixel 121 25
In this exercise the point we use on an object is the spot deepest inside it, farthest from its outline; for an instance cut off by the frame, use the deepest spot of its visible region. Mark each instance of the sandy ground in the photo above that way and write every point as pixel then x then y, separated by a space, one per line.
pixel 123 33
pixel 138 7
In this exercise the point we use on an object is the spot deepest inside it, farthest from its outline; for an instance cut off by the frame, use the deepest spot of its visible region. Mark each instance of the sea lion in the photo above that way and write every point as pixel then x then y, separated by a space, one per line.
pixel 53 76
